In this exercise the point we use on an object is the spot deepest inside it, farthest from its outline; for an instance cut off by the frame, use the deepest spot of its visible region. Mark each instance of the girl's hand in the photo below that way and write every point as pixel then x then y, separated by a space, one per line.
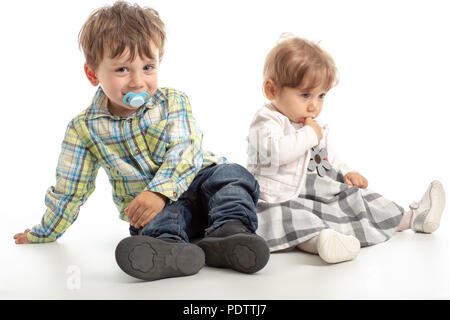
pixel 313 124
pixel 21 238
pixel 355 179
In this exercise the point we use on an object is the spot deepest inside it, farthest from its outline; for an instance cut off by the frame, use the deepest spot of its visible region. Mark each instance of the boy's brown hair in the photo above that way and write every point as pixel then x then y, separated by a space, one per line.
pixel 113 29
pixel 295 62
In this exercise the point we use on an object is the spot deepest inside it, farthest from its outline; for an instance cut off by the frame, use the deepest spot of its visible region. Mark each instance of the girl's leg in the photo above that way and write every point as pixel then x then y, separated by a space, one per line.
pixel 405 223
pixel 309 246
pixel 332 246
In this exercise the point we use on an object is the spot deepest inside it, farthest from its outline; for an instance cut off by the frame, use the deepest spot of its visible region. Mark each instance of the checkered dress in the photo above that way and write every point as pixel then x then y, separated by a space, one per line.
pixel 327 202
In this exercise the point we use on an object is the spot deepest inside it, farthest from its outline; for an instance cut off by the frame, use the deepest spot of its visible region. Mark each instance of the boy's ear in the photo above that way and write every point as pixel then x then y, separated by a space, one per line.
pixel 270 89
pixel 90 74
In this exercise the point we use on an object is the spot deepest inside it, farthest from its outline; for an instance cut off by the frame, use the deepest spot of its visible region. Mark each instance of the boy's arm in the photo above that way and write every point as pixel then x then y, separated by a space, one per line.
pixel 184 157
pixel 75 181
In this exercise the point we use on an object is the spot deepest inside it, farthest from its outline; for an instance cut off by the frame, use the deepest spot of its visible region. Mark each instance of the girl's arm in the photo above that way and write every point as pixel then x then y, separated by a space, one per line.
pixel 269 145
pixel 288 148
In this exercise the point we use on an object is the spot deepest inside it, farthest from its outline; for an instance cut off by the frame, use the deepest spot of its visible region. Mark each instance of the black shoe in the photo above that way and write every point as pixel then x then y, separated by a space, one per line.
pixel 149 258
pixel 233 246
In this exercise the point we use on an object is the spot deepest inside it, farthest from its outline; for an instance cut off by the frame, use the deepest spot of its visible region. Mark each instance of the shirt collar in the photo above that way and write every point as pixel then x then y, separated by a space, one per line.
pixel 99 105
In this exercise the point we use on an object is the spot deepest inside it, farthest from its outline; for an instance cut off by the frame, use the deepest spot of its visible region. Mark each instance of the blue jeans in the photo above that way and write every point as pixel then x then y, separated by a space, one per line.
pixel 218 194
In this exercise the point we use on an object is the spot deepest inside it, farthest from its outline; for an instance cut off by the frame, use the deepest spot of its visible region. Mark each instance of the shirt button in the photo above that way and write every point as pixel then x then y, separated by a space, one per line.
pixel 174 194
pixel 137 151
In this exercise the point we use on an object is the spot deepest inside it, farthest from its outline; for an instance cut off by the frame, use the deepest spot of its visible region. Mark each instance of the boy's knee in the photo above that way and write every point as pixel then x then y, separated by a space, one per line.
pixel 236 173
pixel 234 170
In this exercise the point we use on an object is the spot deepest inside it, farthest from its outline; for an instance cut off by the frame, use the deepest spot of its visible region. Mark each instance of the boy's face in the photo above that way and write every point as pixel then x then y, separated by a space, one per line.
pixel 298 104
pixel 119 76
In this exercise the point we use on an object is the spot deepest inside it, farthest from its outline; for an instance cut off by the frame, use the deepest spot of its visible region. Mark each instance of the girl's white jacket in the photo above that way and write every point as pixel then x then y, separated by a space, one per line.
pixel 279 153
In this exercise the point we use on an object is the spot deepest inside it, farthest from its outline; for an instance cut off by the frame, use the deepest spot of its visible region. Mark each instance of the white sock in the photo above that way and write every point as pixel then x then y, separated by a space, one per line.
pixel 309 246
pixel 405 223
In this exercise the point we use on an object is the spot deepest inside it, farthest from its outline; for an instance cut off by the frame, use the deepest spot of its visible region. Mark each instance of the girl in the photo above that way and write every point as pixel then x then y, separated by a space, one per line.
pixel 310 199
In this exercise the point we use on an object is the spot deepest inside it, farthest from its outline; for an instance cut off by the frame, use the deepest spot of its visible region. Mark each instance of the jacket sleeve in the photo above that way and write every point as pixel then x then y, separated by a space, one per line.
pixel 291 147
pixel 183 158
pixel 270 146
pixel 75 181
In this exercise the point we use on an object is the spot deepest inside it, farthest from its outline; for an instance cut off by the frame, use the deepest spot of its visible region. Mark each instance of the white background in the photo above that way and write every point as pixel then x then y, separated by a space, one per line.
pixel 388 117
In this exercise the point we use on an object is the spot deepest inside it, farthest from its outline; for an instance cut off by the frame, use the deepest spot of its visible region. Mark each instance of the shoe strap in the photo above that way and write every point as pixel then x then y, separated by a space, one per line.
pixel 418 217
pixel 414 206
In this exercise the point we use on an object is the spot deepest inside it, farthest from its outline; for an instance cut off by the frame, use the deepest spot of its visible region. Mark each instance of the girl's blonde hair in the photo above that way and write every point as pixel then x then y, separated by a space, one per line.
pixel 122 26
pixel 296 62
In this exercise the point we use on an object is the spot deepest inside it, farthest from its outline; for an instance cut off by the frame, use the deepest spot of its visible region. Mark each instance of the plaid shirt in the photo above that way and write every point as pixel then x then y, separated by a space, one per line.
pixel 158 148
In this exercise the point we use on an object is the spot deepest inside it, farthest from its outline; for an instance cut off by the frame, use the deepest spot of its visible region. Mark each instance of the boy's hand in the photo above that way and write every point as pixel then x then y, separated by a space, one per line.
pixel 313 124
pixel 21 238
pixel 355 179
pixel 144 208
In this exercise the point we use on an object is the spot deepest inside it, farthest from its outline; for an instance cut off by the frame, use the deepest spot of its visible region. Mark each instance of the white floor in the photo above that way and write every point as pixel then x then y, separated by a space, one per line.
pixel 81 265
pixel 387 124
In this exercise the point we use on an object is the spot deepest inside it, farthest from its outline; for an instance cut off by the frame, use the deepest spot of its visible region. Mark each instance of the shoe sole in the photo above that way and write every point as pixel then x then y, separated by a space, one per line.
pixel 151 259
pixel 334 247
pixel 437 204
pixel 247 253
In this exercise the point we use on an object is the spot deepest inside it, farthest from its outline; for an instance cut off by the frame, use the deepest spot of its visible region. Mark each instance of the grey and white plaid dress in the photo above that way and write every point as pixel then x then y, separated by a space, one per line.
pixel 327 202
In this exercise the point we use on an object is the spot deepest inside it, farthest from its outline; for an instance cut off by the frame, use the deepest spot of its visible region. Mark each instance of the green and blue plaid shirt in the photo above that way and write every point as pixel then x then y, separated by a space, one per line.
pixel 158 148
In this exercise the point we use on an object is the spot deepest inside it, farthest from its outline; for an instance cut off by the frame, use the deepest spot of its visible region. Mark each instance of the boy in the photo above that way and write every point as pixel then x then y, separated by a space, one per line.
pixel 151 149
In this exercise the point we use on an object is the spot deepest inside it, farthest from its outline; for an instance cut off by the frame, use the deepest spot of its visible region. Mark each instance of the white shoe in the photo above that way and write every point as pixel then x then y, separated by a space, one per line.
pixel 334 247
pixel 427 213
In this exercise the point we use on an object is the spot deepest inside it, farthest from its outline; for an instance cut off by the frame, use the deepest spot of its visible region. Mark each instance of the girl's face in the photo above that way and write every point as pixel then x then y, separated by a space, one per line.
pixel 298 104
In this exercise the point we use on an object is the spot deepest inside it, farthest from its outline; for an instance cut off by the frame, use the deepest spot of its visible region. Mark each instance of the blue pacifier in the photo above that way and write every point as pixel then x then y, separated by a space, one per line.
pixel 136 99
